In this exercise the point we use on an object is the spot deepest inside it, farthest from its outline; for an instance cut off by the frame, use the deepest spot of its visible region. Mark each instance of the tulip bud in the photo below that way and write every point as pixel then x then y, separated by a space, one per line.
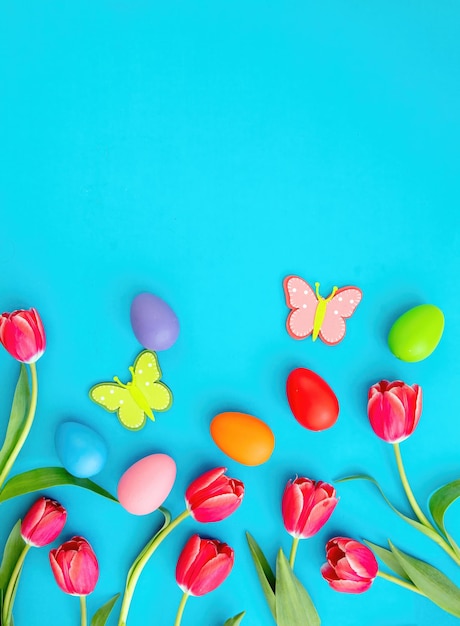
pixel 22 335
pixel 351 567
pixel 306 506
pixel 203 565
pixel 394 409
pixel 213 496
pixel 75 567
pixel 43 522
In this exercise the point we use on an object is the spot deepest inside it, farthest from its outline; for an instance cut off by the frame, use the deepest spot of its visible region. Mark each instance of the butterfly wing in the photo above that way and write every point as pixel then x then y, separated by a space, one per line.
pixel 302 299
pixel 118 400
pixel 340 307
pixel 147 374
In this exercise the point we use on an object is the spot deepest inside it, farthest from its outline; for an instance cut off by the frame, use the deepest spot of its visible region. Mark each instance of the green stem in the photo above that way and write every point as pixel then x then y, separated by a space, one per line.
pixel 405 483
pixel 84 619
pixel 442 543
pixel 180 610
pixel 295 544
pixel 400 582
pixel 8 599
pixel 146 553
pixel 27 425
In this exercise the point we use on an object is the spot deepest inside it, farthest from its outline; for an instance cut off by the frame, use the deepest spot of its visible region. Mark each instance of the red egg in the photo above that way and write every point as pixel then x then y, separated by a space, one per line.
pixel 312 401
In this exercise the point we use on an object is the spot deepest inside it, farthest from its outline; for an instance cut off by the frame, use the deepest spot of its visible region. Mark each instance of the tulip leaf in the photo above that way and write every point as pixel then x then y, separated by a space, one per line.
pixel 264 572
pixel 234 621
pixel 430 581
pixel 102 615
pixel 138 565
pixel 425 530
pixel 18 413
pixel 387 557
pixel 45 478
pixel 13 548
pixel 439 502
pixel 294 607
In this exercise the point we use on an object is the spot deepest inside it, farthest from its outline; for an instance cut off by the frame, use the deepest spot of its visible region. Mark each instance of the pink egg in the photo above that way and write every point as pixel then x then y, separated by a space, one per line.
pixel 146 484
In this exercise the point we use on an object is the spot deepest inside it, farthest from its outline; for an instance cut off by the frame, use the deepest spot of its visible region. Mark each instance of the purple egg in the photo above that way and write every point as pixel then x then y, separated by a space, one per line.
pixel 154 322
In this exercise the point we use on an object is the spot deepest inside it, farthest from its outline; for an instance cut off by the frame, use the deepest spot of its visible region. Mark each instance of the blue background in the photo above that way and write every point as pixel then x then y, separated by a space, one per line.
pixel 203 151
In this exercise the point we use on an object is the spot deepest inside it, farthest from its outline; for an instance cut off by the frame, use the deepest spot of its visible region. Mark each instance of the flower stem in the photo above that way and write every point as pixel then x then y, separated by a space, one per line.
pixel 180 610
pixel 141 562
pixel 10 591
pixel 84 620
pixel 405 483
pixel 440 540
pixel 400 582
pixel 27 425
pixel 295 544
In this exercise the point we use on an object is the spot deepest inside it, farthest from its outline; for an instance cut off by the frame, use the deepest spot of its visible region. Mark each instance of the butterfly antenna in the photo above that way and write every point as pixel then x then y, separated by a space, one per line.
pixel 334 289
pixel 317 290
pixel 118 381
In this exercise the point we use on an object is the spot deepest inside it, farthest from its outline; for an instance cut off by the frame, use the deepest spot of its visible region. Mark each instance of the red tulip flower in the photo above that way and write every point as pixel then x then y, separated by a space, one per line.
pixel 394 409
pixel 43 522
pixel 75 567
pixel 213 496
pixel 203 565
pixel 351 567
pixel 306 506
pixel 22 335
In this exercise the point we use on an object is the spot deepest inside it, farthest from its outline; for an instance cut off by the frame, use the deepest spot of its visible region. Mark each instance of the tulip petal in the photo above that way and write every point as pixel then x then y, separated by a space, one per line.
pixel 363 561
pixel 216 508
pixel 319 515
pixel 186 559
pixel 350 586
pixel 84 571
pixel 212 574
pixel 204 481
pixel 57 572
pixel 291 506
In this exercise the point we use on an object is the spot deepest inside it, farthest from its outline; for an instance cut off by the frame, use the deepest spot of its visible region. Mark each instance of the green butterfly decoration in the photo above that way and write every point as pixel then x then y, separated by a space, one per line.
pixel 133 402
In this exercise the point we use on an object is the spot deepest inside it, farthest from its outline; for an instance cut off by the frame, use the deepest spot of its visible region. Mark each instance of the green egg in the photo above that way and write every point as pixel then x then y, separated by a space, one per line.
pixel 415 335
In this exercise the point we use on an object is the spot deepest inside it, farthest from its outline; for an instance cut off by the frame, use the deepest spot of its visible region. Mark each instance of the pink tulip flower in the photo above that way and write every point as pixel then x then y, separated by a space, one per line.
pixel 351 567
pixel 75 567
pixel 43 522
pixel 203 565
pixel 306 506
pixel 22 335
pixel 213 496
pixel 394 409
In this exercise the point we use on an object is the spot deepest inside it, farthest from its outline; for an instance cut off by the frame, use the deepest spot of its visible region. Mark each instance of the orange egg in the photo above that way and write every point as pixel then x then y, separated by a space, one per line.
pixel 243 438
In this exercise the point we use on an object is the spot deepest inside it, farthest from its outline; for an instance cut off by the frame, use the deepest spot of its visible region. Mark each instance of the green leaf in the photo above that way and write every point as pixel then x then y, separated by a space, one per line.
pixel 264 572
pixel 13 548
pixel 18 413
pixel 44 478
pixel 433 583
pixel 388 558
pixel 439 502
pixel 102 615
pixel 294 607
pixel 425 530
pixel 234 621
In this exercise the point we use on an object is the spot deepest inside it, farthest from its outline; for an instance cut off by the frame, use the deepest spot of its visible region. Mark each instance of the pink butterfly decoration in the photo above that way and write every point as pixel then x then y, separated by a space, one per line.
pixel 311 314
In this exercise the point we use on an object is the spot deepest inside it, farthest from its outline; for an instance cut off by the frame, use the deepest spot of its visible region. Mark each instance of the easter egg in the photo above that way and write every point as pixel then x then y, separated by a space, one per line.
pixel 81 450
pixel 415 335
pixel 154 323
pixel 312 401
pixel 146 484
pixel 242 437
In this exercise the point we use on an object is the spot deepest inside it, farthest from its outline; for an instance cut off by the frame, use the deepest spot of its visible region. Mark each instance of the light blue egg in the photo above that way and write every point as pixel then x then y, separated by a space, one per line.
pixel 81 450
